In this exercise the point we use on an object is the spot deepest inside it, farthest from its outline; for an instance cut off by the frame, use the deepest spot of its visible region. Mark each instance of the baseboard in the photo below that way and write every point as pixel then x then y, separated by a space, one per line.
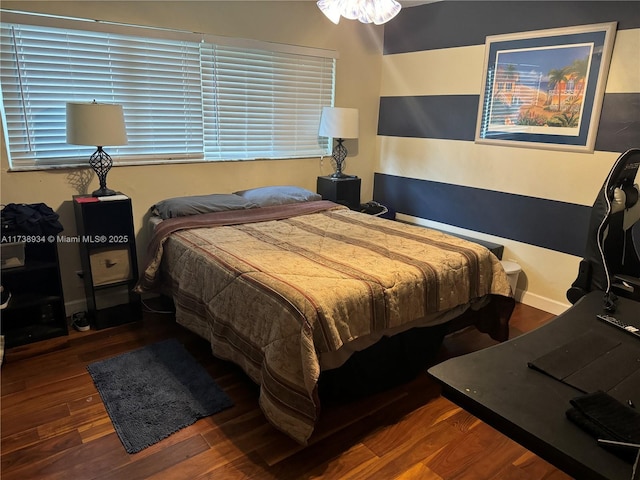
pixel 75 306
pixel 80 305
pixel 541 303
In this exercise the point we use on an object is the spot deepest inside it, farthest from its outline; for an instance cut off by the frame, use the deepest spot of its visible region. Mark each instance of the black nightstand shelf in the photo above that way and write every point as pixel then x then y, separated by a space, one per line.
pixel 344 190
pixel 109 260
pixel 121 283
pixel 36 309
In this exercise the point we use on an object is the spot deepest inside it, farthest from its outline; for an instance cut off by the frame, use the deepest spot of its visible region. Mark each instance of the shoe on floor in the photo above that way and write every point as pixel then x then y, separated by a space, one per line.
pixel 80 322
pixel 5 296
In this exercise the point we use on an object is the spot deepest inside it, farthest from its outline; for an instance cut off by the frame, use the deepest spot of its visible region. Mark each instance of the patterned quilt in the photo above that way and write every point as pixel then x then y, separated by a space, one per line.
pixel 273 288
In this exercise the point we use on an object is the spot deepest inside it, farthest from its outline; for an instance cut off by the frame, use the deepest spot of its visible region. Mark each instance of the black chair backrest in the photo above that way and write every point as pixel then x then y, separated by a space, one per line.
pixel 611 237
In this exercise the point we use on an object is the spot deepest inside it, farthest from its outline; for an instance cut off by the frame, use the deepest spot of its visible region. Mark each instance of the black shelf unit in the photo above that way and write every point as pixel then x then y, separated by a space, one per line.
pixel 36 309
pixel 345 190
pixel 109 260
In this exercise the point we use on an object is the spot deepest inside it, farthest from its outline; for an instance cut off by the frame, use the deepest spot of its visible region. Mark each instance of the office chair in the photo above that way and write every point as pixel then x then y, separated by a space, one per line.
pixel 612 255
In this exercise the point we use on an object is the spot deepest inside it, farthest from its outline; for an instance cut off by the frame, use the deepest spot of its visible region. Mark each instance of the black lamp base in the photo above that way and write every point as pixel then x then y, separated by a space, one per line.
pixel 341 175
pixel 339 154
pixel 101 163
pixel 103 192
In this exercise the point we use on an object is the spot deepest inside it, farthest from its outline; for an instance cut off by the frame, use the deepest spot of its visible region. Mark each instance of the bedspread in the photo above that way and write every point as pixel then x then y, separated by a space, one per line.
pixel 278 286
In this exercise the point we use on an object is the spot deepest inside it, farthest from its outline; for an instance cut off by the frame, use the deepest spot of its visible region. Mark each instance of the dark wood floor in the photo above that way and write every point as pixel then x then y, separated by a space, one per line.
pixel 54 424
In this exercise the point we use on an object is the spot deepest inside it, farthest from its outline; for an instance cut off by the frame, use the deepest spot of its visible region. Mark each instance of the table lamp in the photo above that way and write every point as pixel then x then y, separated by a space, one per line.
pixel 339 123
pixel 97 124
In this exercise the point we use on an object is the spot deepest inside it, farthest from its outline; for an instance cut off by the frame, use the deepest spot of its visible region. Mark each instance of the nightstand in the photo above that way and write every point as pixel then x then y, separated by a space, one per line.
pixel 109 261
pixel 345 191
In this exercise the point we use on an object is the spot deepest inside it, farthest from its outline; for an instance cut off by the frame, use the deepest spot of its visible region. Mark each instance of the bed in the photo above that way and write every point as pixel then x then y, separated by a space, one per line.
pixel 288 286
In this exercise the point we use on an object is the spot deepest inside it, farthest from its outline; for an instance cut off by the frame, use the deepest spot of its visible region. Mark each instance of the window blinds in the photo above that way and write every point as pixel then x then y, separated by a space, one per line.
pixel 255 99
pixel 183 100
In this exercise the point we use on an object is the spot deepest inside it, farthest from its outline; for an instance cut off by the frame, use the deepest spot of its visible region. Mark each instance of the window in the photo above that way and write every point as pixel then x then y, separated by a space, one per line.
pixel 186 97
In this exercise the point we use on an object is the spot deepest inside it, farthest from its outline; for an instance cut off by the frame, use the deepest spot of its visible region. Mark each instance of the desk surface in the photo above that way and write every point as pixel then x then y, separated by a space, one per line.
pixel 496 385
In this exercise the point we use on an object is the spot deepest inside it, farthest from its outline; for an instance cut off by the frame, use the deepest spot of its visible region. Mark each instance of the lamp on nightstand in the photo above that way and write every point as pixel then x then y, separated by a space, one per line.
pixel 97 124
pixel 339 123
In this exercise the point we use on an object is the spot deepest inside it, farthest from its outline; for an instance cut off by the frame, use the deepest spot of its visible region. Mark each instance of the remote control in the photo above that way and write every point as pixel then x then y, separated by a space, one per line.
pixel 617 323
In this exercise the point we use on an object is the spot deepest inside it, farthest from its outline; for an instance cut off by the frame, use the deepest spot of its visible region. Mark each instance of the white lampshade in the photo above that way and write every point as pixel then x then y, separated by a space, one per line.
pixel 96 124
pixel 338 122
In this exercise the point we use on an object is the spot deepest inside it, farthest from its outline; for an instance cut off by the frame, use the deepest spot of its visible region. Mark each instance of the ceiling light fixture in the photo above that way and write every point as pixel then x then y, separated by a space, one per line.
pixel 365 11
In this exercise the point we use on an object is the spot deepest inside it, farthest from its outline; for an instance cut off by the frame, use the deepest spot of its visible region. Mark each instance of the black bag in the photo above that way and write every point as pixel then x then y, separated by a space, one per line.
pixel 29 219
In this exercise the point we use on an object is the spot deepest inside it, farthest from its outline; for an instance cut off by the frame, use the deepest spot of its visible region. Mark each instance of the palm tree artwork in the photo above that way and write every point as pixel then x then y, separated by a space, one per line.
pixel 539 88
pixel 545 86
pixel 557 79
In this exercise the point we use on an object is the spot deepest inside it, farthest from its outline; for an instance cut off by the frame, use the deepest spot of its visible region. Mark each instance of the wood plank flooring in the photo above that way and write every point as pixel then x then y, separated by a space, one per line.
pixel 54 425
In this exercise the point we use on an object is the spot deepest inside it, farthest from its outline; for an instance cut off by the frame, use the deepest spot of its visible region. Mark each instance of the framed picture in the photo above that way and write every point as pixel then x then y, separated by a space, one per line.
pixel 544 89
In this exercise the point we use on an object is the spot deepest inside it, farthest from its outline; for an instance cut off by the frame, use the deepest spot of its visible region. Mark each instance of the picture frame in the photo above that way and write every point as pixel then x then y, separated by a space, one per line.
pixel 544 88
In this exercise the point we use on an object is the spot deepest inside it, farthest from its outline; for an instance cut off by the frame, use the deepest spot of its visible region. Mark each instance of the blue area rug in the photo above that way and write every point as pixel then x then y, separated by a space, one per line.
pixel 155 391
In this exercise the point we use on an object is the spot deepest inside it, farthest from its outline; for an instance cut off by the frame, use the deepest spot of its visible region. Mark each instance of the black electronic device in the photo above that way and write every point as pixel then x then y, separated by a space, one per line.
pixel 373 208
pixel 620 324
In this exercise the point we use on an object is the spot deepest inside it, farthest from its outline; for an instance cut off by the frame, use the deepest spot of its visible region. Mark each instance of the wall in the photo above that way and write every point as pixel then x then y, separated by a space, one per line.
pixel 297 23
pixel 535 202
pixel 432 62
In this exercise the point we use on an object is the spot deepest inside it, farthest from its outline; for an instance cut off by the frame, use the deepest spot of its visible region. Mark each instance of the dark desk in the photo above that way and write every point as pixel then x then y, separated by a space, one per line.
pixel 497 386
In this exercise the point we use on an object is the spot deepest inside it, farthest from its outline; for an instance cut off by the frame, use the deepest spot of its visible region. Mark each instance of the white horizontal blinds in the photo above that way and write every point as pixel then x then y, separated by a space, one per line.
pixel 158 84
pixel 264 104
pixel 185 96
pixel 157 81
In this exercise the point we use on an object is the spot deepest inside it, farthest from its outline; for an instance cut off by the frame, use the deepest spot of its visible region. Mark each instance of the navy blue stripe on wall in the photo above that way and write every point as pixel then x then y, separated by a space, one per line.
pixel 431 26
pixel 619 127
pixel 454 117
pixel 550 224
pixel 451 117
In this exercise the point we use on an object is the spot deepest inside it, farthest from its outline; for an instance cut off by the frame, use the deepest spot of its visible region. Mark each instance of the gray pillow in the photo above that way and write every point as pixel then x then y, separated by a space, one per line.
pixel 279 195
pixel 196 204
